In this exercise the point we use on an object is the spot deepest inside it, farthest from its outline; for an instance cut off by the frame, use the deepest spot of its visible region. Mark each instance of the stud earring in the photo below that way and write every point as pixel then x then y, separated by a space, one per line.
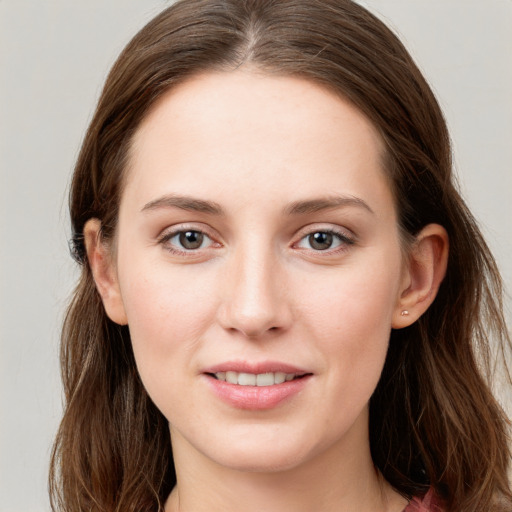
pixel 404 312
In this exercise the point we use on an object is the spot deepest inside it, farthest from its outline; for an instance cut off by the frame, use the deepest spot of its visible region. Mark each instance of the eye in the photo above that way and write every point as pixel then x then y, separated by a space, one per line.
pixel 324 240
pixel 186 240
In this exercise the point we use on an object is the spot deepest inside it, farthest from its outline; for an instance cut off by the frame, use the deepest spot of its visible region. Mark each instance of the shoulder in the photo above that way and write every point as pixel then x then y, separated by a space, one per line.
pixel 427 503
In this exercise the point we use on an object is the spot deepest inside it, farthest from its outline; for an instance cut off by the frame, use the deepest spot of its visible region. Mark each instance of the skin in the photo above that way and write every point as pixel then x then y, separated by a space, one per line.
pixel 257 290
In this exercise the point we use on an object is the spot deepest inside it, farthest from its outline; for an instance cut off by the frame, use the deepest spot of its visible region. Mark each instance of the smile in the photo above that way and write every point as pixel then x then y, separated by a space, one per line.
pixel 258 386
pixel 253 379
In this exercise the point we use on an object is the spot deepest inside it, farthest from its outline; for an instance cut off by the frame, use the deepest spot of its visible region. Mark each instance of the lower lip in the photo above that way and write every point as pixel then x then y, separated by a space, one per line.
pixel 256 397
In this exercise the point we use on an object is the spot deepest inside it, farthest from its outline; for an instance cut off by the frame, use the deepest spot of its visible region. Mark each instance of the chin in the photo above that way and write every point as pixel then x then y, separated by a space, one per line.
pixel 260 460
pixel 261 450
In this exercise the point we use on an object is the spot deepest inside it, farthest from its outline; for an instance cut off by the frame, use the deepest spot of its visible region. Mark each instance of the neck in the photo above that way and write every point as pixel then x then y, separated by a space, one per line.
pixel 339 479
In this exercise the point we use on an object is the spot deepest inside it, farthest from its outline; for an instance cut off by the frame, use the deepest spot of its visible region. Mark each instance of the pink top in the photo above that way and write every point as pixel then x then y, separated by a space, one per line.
pixel 427 504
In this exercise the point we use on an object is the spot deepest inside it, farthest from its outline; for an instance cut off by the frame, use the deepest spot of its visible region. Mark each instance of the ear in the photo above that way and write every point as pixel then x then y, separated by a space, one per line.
pixel 104 272
pixel 425 270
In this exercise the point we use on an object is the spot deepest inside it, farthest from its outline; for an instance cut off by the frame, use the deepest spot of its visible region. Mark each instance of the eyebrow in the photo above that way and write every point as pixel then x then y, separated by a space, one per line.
pixel 325 203
pixel 188 203
pixel 193 204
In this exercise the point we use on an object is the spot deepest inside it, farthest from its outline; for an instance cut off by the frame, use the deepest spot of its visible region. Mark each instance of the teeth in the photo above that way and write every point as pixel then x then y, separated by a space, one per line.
pixel 251 379
pixel 247 379
pixel 280 377
pixel 264 379
pixel 231 377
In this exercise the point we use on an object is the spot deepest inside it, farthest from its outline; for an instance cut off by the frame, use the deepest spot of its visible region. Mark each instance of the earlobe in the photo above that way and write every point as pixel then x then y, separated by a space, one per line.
pixel 104 272
pixel 426 268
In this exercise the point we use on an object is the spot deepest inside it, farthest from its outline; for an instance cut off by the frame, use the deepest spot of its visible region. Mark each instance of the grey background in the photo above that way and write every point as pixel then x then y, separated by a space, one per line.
pixel 54 55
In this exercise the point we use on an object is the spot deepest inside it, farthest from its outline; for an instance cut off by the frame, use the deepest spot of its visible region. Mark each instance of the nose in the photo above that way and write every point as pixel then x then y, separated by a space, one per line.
pixel 254 296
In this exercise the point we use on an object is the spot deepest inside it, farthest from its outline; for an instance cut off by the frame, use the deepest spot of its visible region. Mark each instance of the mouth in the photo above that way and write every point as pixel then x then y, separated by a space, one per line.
pixel 256 379
pixel 256 386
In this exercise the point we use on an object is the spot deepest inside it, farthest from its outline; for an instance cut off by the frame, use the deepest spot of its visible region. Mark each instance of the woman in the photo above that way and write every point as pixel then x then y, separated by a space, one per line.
pixel 284 303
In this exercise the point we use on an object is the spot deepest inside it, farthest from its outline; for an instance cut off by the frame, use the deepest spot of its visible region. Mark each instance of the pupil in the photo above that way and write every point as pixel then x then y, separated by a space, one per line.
pixel 320 241
pixel 191 239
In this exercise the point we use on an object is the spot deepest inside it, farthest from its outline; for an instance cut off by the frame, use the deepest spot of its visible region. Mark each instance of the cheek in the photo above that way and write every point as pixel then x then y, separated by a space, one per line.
pixel 352 298
pixel 350 316
pixel 167 313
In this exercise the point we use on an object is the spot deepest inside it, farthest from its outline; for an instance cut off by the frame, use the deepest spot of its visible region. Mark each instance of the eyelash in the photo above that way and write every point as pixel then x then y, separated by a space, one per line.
pixel 166 238
pixel 343 238
pixel 344 241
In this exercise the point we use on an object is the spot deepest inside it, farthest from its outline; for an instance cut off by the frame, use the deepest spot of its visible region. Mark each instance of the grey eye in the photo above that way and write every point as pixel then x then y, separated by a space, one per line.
pixel 323 240
pixel 320 241
pixel 191 239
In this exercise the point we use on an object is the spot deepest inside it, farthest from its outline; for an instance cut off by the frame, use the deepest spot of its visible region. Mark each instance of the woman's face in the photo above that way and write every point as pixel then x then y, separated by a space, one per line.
pixel 258 243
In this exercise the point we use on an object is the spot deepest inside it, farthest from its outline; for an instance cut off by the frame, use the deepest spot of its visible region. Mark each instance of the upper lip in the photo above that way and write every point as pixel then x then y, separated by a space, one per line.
pixel 255 367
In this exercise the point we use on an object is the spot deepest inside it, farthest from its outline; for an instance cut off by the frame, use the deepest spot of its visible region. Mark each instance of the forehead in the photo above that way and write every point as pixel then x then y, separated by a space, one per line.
pixel 244 132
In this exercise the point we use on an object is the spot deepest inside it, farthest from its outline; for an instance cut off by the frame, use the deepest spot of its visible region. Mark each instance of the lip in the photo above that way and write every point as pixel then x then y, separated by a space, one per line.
pixel 255 367
pixel 256 398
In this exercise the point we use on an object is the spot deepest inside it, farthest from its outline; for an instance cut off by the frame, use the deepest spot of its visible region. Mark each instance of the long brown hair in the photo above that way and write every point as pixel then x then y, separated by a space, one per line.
pixel 433 419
